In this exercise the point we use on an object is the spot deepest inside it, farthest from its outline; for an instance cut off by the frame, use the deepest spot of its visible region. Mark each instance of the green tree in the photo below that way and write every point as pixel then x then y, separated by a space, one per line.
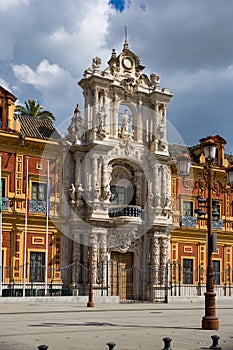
pixel 34 109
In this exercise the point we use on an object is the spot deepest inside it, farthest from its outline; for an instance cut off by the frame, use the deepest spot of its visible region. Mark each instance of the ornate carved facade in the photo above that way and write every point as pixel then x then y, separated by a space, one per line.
pixel 117 178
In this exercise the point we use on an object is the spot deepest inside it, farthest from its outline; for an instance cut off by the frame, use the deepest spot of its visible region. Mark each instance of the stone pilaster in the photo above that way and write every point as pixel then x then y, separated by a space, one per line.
pixel 155 260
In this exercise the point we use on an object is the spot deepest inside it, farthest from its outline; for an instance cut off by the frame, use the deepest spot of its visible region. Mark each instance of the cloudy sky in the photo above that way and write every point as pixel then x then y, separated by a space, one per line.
pixel 47 44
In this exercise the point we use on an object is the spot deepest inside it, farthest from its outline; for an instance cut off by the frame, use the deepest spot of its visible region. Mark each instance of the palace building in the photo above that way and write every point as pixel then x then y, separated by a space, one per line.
pixel 30 166
pixel 117 181
pixel 106 210
pixel 189 238
pixel 132 224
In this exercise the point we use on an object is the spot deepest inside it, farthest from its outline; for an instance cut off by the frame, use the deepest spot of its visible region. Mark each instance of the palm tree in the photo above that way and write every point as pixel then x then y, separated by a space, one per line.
pixel 34 109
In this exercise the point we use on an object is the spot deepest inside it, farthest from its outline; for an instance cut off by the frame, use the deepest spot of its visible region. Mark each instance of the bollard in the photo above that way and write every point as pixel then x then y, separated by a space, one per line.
pixel 167 342
pixel 111 345
pixel 215 344
pixel 42 347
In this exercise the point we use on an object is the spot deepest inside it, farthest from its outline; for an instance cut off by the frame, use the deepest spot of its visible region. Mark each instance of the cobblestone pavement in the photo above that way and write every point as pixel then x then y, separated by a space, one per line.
pixel 70 326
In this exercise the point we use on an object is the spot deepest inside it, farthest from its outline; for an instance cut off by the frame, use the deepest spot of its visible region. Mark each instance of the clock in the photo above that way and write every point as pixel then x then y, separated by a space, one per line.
pixel 127 62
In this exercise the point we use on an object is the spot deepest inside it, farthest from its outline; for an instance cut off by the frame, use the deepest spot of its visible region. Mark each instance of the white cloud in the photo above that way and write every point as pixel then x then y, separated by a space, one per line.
pixel 56 86
pixel 75 47
pixel 4 84
pixel 177 39
pixel 8 4
pixel 44 76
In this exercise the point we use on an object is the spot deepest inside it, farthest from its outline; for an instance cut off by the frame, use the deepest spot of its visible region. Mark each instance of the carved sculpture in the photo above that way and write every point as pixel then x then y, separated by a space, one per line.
pixel 124 130
pixel 96 63
pixel 75 128
pixel 72 194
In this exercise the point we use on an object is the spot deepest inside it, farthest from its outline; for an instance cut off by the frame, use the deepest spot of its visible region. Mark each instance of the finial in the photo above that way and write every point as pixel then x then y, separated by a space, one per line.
pixel 126 45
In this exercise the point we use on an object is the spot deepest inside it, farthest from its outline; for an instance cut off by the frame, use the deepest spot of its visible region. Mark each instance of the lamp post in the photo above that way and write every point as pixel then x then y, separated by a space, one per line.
pixel 90 302
pixel 210 320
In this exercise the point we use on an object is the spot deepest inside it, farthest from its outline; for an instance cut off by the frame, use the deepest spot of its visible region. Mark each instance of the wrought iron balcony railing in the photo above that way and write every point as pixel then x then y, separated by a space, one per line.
pixel 129 211
pixel 191 221
pixel 218 224
pixel 5 203
pixel 37 206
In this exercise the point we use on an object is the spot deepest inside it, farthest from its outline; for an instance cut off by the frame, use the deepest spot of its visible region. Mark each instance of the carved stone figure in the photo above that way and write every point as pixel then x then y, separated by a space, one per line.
pixel 124 131
pixel 72 194
pixel 155 79
pixel 107 170
pixel 75 128
pixel 96 63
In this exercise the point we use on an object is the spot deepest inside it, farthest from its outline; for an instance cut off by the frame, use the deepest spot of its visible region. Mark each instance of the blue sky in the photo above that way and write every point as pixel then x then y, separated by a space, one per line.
pixel 45 47
pixel 119 5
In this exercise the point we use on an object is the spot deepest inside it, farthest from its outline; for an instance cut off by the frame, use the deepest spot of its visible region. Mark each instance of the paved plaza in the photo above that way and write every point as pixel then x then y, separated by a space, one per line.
pixel 67 325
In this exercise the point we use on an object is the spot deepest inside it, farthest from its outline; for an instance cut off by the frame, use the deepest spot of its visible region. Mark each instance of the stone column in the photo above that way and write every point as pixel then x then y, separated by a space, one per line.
pixel 163 257
pixel 157 189
pixel 95 108
pixel 95 258
pixel 114 118
pixel 104 256
pixel 163 184
pixel 163 121
pixel 155 260
pixel 139 131
pixel 75 267
pixel 78 171
pixel 94 183
pixel 139 187
pixel 154 120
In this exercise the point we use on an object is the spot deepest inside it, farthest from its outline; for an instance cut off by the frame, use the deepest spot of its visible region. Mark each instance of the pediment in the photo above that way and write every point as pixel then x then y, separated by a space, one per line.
pixel 127 69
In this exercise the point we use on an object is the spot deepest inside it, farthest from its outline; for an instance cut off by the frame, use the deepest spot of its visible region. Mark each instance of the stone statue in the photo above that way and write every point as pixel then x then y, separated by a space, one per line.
pixel 124 131
pixel 96 62
pixel 125 122
pixel 72 193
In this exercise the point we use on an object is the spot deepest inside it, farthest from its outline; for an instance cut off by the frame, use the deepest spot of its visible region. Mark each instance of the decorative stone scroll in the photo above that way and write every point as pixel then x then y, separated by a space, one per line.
pixel 121 239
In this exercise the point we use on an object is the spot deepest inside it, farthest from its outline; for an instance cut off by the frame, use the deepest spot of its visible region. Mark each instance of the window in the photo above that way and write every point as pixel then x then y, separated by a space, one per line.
pixel 38 191
pixel 215 209
pixel 3 187
pixel 188 271
pixel 216 157
pixel 37 266
pixel 187 208
pixel 123 195
pixel 216 266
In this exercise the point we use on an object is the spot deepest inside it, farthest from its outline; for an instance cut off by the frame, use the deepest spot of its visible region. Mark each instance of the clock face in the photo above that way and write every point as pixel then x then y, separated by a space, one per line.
pixel 127 62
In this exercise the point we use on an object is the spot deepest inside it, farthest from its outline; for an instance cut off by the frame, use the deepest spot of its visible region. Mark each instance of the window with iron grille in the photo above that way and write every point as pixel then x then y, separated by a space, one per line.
pixel 188 271
pixel 37 266
pixel 216 266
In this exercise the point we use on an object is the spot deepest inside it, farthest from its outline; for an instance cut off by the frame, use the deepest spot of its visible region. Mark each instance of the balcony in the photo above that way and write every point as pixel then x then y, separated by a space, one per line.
pixel 189 221
pixel 5 203
pixel 37 206
pixel 217 224
pixel 129 213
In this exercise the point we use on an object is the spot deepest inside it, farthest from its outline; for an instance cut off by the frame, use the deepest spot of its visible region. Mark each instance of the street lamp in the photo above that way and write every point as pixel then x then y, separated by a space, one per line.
pixel 210 320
